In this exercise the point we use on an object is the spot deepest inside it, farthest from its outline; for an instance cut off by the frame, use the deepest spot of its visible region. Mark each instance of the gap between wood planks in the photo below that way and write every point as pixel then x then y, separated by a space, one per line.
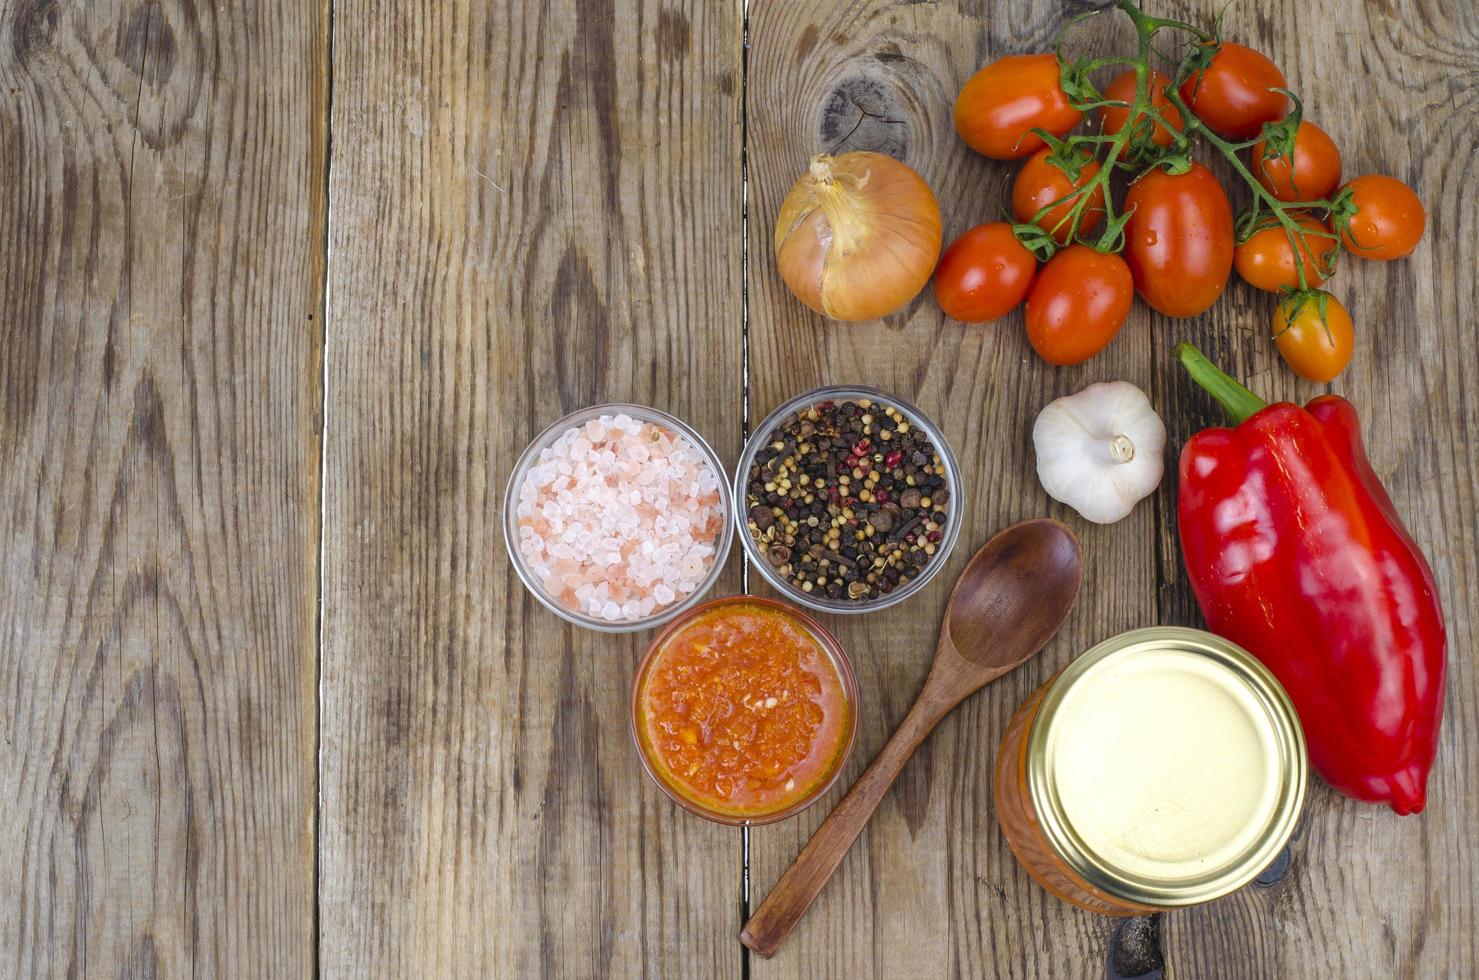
pixel 323 474
pixel 744 398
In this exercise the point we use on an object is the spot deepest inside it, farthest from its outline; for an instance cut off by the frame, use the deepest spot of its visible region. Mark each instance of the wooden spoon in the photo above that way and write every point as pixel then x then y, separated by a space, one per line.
pixel 1012 597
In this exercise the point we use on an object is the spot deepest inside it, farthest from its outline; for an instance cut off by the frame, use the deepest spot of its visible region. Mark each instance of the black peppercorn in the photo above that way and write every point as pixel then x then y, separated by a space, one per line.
pixel 844 499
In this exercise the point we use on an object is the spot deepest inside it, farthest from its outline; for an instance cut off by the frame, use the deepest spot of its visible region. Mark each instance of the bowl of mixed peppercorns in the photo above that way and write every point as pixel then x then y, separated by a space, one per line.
pixel 850 499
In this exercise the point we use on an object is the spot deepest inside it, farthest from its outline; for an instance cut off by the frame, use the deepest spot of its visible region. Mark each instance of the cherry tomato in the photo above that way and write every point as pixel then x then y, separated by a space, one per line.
pixel 1179 239
pixel 1040 183
pixel 1312 174
pixel 1078 304
pixel 1316 343
pixel 1123 90
pixel 984 274
pixel 1234 94
pixel 1389 218
pixel 1266 259
pixel 1008 97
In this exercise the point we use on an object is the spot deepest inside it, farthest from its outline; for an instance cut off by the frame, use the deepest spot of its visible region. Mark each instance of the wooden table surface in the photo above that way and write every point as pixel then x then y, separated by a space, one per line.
pixel 285 287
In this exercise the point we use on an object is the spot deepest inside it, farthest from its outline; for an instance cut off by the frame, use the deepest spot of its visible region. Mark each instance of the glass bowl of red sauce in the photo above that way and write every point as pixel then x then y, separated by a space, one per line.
pixel 744 710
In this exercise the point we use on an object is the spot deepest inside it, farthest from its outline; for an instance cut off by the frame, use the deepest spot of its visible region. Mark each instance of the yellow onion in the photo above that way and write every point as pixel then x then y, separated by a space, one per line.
pixel 857 236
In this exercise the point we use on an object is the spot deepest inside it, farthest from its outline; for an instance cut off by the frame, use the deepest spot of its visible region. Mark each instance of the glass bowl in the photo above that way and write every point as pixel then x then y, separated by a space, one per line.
pixel 510 518
pixel 761 437
pixel 835 654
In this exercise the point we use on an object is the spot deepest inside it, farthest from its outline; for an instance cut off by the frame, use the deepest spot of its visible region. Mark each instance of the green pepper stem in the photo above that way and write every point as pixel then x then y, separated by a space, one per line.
pixel 1239 403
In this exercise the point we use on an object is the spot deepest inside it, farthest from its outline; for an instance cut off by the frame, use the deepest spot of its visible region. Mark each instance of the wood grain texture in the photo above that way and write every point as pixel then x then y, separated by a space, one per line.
pixel 1368 893
pixel 161 269
pixel 530 208
pixel 931 888
pixel 535 208
pixel 932 891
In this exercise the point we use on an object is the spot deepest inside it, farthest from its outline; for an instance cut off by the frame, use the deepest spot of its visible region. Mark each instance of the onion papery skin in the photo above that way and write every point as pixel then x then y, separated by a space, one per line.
pixel 858 236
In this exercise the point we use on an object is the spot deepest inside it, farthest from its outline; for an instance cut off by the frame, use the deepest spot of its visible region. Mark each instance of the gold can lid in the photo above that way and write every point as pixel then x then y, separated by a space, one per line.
pixel 1167 766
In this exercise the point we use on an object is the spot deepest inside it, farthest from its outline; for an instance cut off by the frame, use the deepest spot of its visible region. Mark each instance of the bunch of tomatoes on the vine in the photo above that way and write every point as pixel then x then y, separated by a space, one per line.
pixel 1076 259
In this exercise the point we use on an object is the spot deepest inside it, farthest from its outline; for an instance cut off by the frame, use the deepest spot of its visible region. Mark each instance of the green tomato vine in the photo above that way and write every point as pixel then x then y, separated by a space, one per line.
pixel 1133 149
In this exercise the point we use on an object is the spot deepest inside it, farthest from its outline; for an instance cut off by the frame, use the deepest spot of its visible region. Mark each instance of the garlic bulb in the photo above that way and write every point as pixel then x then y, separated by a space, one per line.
pixel 1100 451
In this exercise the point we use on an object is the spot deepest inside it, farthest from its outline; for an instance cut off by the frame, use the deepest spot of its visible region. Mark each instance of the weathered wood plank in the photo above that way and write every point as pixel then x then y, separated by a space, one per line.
pixel 534 208
pixel 930 889
pixel 1368 893
pixel 160 278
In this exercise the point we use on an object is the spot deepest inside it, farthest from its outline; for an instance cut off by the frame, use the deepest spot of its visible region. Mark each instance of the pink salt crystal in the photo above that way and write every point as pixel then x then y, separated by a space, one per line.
pixel 619 518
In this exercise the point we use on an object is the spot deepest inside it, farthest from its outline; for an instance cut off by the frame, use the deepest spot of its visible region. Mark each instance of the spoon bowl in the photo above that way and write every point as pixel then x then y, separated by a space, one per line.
pixel 1013 595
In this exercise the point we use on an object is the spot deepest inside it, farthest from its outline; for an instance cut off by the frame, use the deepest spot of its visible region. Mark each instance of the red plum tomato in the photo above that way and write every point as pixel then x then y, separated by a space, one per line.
pixel 1310 172
pixel 1179 239
pixel 1388 221
pixel 1234 95
pixel 1266 259
pixel 1078 303
pixel 984 274
pixel 1122 89
pixel 1003 101
pixel 1040 182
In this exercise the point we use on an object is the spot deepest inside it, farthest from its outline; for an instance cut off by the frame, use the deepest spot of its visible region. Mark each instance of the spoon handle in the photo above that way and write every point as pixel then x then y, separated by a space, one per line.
pixel 803 880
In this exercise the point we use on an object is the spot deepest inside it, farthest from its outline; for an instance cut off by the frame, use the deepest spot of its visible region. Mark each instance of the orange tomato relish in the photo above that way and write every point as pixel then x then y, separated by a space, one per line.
pixel 742 711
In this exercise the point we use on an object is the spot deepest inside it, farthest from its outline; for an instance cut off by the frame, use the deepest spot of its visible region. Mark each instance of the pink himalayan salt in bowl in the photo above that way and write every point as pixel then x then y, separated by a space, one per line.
pixel 618 517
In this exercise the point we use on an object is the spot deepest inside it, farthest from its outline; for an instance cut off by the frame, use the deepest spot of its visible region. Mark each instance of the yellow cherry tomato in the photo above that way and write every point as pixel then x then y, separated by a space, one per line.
pixel 1314 334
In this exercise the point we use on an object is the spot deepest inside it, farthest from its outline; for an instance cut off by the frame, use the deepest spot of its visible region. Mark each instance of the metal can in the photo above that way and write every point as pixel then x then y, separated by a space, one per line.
pixel 1164 767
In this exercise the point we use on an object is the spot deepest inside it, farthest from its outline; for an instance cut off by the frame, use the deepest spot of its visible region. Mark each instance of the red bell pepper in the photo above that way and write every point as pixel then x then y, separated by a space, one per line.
pixel 1296 554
